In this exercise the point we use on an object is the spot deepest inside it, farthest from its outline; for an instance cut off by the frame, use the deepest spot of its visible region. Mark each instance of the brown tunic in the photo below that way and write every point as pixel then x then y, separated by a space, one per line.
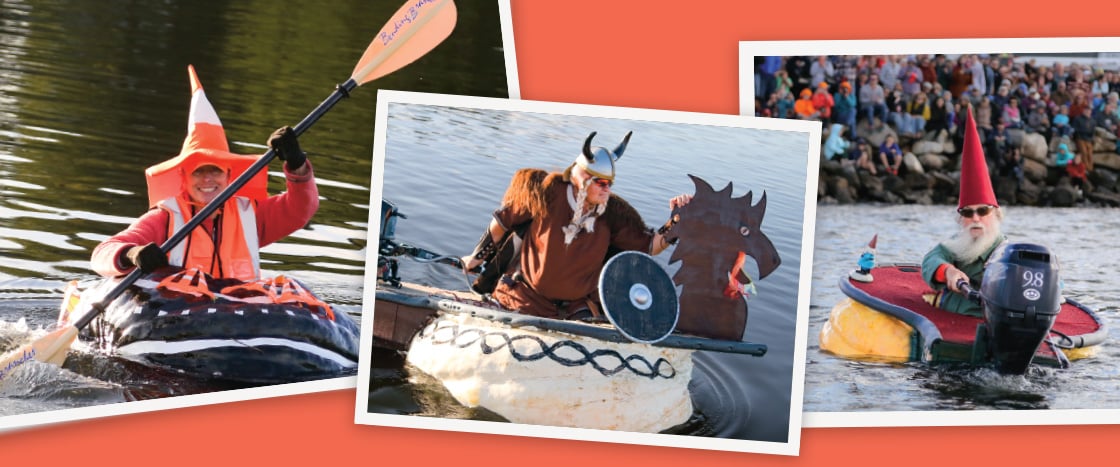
pixel 558 279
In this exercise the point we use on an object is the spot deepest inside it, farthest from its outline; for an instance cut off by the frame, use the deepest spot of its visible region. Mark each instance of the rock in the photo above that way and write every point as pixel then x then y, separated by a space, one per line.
pixel 1104 134
pixel 842 191
pixel 1034 170
pixel 1108 160
pixel 916 181
pixel 1063 196
pixel 927 147
pixel 872 186
pixel 1029 193
pixel 831 166
pixel 910 162
pixel 895 184
pixel 1103 144
pixel 1034 147
pixel 1104 197
pixel 1104 179
pixel 934 162
pixel 922 197
pixel 850 173
pixel 1006 188
pixel 943 181
pixel 948 147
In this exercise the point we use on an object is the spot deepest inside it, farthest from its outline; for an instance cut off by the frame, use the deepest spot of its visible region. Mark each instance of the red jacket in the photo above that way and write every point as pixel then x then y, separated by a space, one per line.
pixel 1076 170
pixel 823 102
pixel 277 217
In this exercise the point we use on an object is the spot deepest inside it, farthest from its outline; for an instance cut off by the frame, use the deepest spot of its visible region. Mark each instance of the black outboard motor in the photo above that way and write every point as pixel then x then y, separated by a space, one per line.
pixel 387 266
pixel 389 215
pixel 1021 299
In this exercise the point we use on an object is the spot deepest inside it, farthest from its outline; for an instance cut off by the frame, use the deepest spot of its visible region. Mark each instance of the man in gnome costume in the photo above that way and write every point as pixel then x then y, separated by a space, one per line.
pixel 963 256
pixel 574 223
pixel 227 244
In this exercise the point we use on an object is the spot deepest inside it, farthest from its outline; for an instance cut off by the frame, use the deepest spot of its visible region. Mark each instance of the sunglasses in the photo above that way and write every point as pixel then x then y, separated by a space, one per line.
pixel 982 211
pixel 602 182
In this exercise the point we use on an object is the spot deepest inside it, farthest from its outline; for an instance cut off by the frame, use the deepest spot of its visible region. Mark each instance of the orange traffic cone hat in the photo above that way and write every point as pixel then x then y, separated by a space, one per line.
pixel 976 185
pixel 205 144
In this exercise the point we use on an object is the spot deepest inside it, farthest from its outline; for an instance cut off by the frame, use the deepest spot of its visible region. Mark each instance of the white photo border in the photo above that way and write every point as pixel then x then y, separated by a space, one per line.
pixel 790 447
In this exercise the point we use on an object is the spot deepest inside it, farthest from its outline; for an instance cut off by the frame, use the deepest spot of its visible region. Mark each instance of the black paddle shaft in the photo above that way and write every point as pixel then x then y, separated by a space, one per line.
pixel 341 91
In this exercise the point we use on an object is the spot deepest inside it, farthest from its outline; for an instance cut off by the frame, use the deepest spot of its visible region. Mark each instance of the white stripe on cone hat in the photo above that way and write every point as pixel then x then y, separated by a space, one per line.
pixel 976 185
pixel 205 144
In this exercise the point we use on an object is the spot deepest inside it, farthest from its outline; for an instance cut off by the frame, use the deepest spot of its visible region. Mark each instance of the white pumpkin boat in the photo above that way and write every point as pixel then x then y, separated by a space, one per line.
pixel 629 374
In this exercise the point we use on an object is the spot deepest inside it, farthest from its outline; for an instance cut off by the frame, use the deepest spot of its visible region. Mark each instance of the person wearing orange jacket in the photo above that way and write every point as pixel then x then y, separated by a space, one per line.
pixel 225 245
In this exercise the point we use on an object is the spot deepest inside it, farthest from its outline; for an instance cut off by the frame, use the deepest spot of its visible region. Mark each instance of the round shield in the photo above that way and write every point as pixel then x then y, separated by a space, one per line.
pixel 638 297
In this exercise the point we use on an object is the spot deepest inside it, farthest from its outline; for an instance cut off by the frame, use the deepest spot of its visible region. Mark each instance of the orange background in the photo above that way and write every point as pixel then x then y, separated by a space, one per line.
pixel 637 53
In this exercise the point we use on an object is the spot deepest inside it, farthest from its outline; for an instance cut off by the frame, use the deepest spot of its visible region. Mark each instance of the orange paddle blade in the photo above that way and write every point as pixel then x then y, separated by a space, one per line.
pixel 415 29
pixel 51 348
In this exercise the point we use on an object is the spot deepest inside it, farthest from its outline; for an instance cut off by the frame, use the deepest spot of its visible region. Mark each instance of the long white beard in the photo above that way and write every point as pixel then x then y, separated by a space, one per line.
pixel 580 220
pixel 967 249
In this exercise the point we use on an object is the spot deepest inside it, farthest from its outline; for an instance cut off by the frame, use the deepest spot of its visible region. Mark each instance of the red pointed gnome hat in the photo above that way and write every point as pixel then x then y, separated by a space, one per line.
pixel 205 145
pixel 976 185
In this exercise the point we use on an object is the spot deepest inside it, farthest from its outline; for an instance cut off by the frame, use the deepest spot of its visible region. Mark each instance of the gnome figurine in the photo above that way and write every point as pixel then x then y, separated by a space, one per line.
pixel 866 263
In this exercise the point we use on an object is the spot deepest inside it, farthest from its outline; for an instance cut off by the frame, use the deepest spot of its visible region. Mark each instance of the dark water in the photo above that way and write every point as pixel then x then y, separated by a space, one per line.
pixel 446 169
pixel 91 93
pixel 1078 236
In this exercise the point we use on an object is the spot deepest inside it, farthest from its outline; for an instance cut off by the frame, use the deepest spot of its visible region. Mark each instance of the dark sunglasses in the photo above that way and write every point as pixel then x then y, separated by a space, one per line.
pixel 602 182
pixel 982 211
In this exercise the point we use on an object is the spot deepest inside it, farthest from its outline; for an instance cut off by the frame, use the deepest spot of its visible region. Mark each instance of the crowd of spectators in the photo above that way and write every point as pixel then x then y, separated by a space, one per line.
pixel 923 95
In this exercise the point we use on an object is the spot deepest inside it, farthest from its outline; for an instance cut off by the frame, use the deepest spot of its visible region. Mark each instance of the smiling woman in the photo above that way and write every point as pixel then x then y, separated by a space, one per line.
pixel 227 241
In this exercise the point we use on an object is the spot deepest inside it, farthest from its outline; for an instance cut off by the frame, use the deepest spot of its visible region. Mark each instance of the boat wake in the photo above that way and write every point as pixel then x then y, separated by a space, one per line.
pixel 963 386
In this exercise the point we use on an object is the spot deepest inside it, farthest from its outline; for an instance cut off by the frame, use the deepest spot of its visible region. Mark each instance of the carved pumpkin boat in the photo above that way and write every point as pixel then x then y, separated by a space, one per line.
pixel 629 372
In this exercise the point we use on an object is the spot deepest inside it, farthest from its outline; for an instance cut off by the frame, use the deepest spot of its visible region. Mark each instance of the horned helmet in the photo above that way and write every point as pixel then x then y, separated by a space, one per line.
pixel 599 161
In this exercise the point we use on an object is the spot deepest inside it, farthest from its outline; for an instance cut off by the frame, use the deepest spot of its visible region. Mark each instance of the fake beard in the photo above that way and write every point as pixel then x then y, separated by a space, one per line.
pixel 965 248
pixel 580 219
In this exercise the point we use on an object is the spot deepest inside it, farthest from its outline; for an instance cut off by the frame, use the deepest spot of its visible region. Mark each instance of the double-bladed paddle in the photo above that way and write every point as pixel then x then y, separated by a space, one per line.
pixel 414 30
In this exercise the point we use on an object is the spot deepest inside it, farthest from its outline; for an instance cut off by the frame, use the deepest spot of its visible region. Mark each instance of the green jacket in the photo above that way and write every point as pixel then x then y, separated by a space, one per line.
pixel 947 299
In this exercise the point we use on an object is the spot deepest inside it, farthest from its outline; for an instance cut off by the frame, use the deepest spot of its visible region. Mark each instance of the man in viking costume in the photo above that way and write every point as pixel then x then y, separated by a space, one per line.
pixel 572 223
pixel 962 256
pixel 227 244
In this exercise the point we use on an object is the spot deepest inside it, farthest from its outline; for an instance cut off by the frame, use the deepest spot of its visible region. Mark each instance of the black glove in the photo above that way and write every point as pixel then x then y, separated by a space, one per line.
pixel 286 144
pixel 146 257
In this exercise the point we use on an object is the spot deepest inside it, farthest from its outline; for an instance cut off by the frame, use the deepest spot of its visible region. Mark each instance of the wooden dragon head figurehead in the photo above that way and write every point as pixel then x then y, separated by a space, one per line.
pixel 717 233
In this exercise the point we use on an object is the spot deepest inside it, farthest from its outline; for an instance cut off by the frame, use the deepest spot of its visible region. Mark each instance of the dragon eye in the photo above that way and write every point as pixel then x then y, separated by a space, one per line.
pixel 744 230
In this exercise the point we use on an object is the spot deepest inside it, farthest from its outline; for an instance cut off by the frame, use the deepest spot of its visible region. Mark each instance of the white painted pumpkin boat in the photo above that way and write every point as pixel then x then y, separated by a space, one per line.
pixel 631 374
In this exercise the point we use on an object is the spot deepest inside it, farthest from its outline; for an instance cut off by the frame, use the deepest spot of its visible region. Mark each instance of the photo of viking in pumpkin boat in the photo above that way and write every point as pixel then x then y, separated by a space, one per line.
pixel 568 311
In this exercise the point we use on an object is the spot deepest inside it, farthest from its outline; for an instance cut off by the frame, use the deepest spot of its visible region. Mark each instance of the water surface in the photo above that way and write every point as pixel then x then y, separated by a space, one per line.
pixel 91 93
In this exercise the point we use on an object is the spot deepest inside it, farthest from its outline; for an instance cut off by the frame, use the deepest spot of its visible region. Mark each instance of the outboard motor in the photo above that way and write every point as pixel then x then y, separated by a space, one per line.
pixel 1021 297
pixel 387 266
pixel 389 215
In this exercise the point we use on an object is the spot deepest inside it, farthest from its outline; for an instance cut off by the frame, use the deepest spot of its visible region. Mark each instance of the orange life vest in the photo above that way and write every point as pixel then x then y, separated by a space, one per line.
pixel 238 251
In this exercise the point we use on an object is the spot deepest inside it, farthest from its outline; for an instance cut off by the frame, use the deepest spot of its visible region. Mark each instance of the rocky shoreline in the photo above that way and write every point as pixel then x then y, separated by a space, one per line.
pixel 931 173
